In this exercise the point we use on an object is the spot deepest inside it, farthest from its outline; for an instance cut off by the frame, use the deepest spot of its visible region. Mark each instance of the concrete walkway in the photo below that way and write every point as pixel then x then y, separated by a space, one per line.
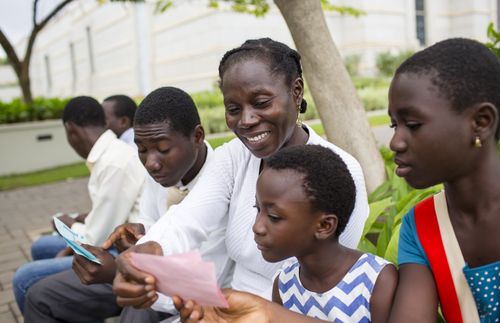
pixel 24 213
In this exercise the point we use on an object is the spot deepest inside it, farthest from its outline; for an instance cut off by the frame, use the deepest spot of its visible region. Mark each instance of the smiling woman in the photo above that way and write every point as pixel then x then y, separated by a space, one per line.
pixel 263 94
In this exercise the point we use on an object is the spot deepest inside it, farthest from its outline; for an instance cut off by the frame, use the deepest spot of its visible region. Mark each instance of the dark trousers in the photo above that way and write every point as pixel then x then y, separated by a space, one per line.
pixel 63 298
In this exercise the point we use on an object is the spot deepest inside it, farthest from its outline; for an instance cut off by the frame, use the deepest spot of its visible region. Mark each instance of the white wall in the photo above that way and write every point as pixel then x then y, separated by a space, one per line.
pixel 32 146
pixel 136 50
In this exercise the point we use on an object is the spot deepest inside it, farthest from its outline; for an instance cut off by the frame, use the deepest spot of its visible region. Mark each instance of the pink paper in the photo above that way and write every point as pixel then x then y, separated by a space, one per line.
pixel 185 275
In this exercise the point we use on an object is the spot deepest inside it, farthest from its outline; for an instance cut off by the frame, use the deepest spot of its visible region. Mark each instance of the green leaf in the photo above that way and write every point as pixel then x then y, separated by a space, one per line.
pixel 366 245
pixel 376 209
pixel 383 241
pixel 343 10
pixel 162 5
pixel 391 252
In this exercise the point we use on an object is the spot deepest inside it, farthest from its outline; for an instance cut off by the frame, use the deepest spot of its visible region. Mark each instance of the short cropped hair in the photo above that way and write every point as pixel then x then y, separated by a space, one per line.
pixel 465 71
pixel 327 180
pixel 84 111
pixel 169 105
pixel 123 106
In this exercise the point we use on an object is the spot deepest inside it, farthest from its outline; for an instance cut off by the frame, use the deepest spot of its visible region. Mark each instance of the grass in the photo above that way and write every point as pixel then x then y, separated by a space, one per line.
pixel 44 176
pixel 80 170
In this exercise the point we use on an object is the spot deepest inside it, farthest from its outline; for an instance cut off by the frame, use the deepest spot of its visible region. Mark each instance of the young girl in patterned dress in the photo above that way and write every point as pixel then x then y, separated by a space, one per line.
pixel 304 198
pixel 444 103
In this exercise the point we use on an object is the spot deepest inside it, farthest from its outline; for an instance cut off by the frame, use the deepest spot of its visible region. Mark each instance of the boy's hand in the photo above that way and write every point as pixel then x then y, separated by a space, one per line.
pixel 81 217
pixel 92 273
pixel 67 251
pixel 66 219
pixel 132 286
pixel 124 236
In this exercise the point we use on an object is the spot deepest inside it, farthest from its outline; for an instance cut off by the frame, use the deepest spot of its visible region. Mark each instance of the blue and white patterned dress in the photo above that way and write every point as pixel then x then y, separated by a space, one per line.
pixel 348 301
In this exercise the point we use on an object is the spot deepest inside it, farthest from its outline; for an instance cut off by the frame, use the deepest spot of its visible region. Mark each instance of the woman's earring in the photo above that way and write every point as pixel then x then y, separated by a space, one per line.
pixel 477 142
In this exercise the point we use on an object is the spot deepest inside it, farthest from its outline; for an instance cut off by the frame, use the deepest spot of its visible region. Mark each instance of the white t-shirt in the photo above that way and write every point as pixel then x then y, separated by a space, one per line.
pixel 224 198
pixel 115 185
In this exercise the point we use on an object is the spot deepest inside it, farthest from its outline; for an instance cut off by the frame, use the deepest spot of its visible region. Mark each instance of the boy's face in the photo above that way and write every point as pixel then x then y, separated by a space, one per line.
pixel 285 223
pixel 166 154
pixel 430 139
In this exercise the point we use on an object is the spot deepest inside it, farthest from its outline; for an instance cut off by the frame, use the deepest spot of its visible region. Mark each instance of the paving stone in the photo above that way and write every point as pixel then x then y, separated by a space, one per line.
pixel 23 214
pixel 6 296
pixel 8 317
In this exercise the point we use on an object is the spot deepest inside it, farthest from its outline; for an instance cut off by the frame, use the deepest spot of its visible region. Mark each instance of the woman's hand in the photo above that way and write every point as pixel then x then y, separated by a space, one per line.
pixel 243 307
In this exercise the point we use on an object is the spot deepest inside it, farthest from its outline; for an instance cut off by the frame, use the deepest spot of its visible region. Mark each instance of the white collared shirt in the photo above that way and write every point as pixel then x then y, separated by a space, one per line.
pixel 153 206
pixel 128 138
pixel 115 185
pixel 154 197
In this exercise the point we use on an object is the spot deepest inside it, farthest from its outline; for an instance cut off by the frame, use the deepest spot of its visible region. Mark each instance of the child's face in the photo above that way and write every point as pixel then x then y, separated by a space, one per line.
pixel 431 141
pixel 285 222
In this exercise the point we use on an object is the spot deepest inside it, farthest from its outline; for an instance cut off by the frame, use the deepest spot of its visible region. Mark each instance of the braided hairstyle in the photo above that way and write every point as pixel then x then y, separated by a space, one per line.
pixel 281 59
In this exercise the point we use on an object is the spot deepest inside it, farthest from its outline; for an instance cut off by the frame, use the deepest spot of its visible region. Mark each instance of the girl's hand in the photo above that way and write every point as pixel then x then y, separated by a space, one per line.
pixel 189 311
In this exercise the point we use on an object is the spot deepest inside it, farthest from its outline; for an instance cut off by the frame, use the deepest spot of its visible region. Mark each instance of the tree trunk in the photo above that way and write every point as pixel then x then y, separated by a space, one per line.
pixel 339 107
pixel 25 83
pixel 22 68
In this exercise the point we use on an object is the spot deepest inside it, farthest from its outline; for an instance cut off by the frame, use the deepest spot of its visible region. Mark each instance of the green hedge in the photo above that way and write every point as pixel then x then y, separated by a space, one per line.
pixel 372 92
pixel 41 109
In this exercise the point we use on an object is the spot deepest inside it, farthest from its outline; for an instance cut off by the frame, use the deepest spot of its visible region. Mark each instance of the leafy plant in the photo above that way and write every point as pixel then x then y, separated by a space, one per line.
pixel 388 204
pixel 41 109
pixel 387 63
pixel 351 63
pixel 494 37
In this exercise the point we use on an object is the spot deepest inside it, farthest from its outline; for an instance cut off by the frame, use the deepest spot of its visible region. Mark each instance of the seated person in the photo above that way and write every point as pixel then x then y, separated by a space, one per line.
pixel 119 111
pixel 171 146
pixel 444 106
pixel 115 185
pixel 305 195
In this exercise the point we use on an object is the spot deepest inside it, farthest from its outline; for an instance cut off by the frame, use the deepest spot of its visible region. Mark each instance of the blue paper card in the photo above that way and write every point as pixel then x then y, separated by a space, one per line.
pixel 73 240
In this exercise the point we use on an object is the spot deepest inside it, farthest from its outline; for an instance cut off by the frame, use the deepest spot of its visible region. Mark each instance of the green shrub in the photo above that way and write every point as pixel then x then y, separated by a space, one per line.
pixel 213 119
pixel 388 204
pixel 351 63
pixel 374 98
pixel 387 63
pixel 208 99
pixel 41 109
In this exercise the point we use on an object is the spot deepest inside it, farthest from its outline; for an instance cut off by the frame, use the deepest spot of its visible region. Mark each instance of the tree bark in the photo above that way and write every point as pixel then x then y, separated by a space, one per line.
pixel 333 92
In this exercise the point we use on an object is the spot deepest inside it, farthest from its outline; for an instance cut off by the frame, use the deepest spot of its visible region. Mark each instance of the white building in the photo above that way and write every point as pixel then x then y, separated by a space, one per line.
pixel 101 50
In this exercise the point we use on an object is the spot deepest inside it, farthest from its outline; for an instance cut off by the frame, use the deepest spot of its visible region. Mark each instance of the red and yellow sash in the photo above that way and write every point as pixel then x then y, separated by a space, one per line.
pixel 441 247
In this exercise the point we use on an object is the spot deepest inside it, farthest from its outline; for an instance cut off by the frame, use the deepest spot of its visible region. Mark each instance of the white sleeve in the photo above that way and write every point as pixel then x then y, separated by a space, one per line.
pixel 204 210
pixel 117 193
pixel 148 208
pixel 354 229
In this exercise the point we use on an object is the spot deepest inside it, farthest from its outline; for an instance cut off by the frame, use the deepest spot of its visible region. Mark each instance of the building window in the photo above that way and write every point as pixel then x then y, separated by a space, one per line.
pixel 91 51
pixel 47 69
pixel 73 64
pixel 420 21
